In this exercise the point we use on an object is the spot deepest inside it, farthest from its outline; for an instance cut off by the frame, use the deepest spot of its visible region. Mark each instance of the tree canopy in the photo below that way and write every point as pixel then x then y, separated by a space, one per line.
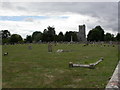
pixel 109 37
pixel 5 36
pixel 96 34
pixel 49 35
pixel 36 36
pixel 118 37
pixel 15 38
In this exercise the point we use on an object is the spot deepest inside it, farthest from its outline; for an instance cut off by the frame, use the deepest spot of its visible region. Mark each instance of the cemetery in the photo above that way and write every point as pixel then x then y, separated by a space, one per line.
pixel 47 60
pixel 48 65
pixel 60 44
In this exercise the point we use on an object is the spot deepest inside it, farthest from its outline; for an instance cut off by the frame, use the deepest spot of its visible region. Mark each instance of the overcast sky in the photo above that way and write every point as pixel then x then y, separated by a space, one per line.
pixel 26 17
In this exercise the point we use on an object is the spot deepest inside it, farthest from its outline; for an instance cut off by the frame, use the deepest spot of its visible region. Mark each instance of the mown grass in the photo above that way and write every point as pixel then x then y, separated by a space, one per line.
pixel 36 68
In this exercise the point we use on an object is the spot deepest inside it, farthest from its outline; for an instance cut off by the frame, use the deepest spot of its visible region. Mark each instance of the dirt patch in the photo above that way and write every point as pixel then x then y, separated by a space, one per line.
pixel 77 80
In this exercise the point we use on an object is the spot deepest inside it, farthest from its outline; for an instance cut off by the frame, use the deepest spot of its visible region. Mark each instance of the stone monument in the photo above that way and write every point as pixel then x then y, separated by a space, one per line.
pixel 49 47
pixel 82 34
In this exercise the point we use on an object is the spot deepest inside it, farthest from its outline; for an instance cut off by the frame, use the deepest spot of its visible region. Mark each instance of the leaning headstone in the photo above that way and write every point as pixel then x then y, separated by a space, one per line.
pixel 49 47
pixel 29 47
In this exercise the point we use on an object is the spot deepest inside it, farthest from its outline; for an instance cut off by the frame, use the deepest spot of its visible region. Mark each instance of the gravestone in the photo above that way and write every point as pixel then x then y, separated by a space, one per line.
pixel 6 53
pixel 70 64
pixel 30 47
pixel 49 47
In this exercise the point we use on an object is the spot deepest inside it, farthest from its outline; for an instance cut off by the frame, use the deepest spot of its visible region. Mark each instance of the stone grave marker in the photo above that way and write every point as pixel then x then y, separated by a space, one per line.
pixel 49 47
pixel 30 47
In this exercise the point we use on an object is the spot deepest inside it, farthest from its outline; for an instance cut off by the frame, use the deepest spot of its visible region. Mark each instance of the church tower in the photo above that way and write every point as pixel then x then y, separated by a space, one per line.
pixel 82 33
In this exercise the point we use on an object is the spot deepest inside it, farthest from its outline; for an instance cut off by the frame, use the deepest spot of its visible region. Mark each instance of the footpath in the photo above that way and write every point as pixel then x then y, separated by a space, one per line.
pixel 114 83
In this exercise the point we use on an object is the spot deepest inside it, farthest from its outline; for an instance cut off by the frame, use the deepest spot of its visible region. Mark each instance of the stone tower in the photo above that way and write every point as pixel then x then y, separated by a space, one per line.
pixel 81 33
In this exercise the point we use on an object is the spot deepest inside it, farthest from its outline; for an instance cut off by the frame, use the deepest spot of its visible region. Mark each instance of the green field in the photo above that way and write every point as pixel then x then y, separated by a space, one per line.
pixel 36 68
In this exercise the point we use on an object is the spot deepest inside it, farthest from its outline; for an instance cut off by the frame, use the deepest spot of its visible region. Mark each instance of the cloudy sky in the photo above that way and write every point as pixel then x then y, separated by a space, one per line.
pixel 26 17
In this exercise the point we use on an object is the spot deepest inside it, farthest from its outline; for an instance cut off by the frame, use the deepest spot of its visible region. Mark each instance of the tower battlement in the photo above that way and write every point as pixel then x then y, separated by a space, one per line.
pixel 82 33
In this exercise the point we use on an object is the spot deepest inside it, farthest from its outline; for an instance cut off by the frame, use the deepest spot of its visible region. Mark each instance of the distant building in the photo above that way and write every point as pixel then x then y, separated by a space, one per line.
pixel 81 34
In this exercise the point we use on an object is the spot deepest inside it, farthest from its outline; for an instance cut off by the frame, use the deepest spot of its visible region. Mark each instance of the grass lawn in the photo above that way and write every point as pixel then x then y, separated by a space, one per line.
pixel 36 68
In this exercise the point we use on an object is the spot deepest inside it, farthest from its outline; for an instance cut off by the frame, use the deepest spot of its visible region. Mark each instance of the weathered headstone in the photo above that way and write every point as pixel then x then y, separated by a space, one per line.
pixel 71 39
pixel 49 47
pixel 29 47
pixel 113 45
pixel 91 65
pixel 6 53
pixel 70 64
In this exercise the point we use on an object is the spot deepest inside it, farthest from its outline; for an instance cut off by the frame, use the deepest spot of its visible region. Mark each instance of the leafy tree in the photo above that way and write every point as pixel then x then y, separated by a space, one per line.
pixel 109 37
pixel 36 36
pixel 118 37
pixel 74 35
pixel 44 37
pixel 60 37
pixel 5 36
pixel 49 34
pixel 28 39
pixel 96 34
pixel 51 30
pixel 15 38
pixel 69 34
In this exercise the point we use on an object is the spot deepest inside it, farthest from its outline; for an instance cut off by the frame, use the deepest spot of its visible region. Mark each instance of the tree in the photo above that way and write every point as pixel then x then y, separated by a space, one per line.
pixel 28 39
pixel 69 34
pixel 5 36
pixel 109 37
pixel 60 37
pixel 36 36
pixel 118 37
pixel 96 34
pixel 44 37
pixel 15 38
pixel 51 30
pixel 74 35
pixel 49 34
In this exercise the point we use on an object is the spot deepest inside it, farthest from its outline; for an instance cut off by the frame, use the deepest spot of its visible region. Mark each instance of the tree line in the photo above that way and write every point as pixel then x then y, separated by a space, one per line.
pixel 49 35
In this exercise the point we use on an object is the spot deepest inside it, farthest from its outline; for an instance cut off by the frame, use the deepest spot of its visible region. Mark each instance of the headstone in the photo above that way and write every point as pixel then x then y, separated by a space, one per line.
pixel 49 47
pixel 29 47
pixel 71 39
pixel 113 45
pixel 110 42
pixel 60 50
pixel 6 53
pixel 55 43
pixel 70 64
